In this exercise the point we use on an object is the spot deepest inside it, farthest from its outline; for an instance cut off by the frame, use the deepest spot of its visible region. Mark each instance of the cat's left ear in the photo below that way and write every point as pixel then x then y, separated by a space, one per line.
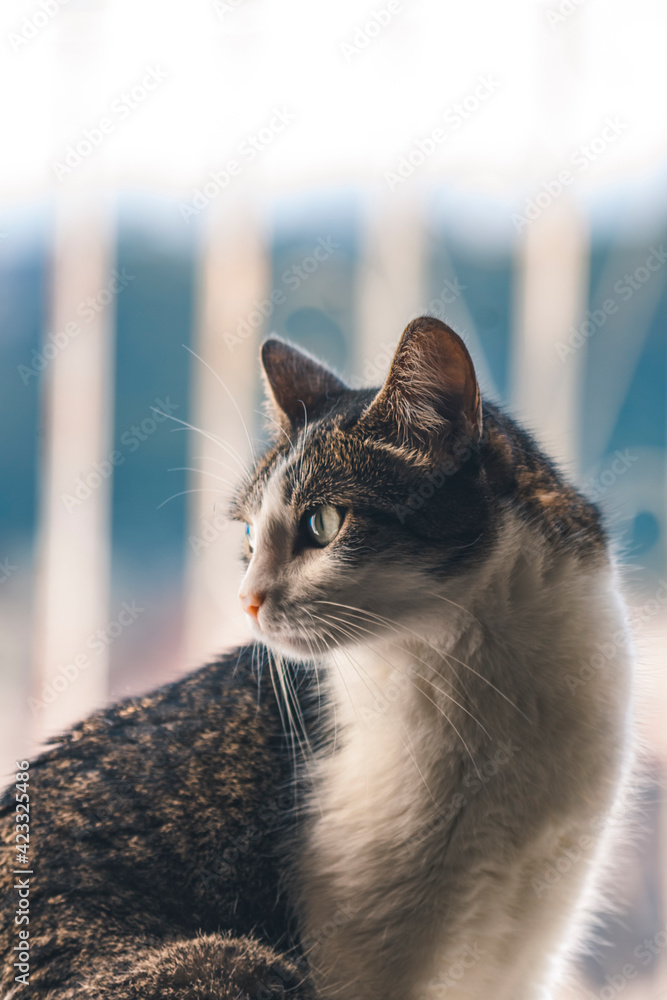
pixel 298 386
pixel 431 397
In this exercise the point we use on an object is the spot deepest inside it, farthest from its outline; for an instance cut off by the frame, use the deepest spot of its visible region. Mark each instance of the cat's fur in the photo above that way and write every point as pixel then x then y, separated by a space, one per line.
pixel 448 756
pixel 153 845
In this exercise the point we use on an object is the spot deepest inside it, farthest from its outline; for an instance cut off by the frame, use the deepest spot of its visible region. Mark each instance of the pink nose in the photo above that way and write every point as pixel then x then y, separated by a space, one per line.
pixel 251 603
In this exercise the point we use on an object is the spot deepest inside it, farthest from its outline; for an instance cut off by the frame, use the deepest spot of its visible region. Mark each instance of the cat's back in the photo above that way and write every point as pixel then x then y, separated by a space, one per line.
pixel 163 811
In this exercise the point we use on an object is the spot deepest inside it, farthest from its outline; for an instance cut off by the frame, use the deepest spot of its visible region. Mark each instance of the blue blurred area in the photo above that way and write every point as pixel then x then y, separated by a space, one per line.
pixel 24 288
pixel 155 316
pixel 624 392
pixel 154 320
pixel 319 295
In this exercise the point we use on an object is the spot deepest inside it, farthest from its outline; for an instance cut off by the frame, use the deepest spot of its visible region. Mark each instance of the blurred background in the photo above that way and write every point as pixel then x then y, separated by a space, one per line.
pixel 179 180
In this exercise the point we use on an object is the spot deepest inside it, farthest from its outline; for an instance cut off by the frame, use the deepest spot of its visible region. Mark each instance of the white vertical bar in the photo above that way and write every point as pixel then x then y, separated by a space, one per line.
pixel 552 287
pixel 235 273
pixel 73 544
pixel 391 279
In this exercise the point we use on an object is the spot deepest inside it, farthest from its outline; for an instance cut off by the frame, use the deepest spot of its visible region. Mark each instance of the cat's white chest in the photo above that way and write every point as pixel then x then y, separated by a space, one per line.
pixel 391 735
pixel 435 814
pixel 374 800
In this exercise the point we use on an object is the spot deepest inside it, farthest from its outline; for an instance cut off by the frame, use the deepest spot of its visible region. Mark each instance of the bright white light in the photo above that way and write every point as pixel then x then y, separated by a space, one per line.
pixel 366 84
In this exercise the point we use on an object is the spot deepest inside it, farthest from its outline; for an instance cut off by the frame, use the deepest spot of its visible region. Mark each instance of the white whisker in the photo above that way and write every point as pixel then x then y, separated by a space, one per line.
pixel 202 472
pixel 183 493
pixel 422 692
pixel 211 437
pixel 439 652
pixel 231 397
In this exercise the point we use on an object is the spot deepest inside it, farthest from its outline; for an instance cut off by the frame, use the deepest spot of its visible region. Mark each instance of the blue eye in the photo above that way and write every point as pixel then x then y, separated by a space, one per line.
pixel 250 536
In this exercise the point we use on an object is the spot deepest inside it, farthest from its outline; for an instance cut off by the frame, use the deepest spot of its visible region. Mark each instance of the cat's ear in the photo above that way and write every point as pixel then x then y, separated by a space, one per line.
pixel 298 386
pixel 431 398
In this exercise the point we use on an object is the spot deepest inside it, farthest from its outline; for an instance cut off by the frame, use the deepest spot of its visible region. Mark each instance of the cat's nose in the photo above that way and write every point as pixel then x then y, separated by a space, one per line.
pixel 251 603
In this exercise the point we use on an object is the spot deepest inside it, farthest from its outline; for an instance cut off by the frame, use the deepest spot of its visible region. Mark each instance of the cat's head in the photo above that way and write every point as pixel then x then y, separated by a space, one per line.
pixel 370 501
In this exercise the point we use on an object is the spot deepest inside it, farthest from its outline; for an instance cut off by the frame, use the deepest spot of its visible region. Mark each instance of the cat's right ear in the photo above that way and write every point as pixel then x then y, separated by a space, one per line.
pixel 430 399
pixel 298 387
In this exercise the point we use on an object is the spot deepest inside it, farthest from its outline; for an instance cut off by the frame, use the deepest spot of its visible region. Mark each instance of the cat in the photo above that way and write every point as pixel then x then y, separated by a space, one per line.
pixel 403 789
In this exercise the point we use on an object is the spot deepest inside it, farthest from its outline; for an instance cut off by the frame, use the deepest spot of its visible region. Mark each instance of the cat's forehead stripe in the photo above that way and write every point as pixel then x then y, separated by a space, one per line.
pixel 273 494
pixel 323 457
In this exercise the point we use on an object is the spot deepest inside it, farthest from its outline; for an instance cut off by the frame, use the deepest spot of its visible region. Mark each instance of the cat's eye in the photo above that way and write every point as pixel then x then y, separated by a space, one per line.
pixel 250 536
pixel 323 524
